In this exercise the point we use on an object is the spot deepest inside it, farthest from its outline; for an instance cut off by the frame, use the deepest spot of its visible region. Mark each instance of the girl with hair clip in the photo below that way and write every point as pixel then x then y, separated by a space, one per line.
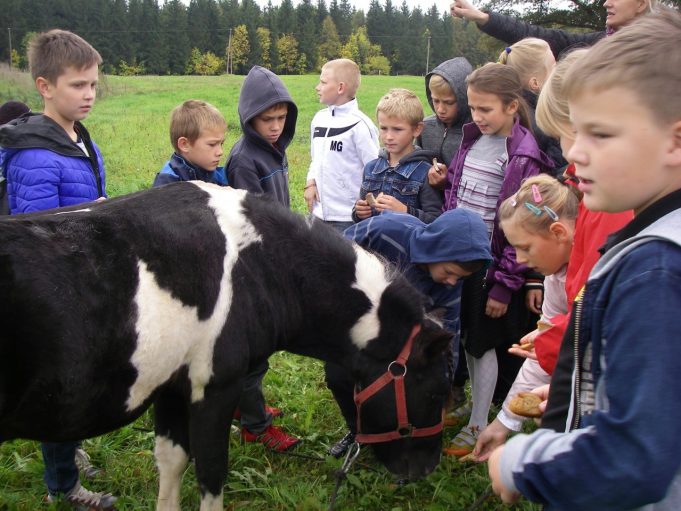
pixel 590 232
pixel 534 61
pixel 539 221
pixel 497 153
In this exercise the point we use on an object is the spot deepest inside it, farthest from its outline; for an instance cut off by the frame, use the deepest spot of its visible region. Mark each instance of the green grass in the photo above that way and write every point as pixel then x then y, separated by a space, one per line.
pixel 130 124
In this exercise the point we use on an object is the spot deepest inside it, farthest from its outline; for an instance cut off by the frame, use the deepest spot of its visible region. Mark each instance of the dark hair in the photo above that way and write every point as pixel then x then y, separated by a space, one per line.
pixel 502 81
pixel 472 266
pixel 10 110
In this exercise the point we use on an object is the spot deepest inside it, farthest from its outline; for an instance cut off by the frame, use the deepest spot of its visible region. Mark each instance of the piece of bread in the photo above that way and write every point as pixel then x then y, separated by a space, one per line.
pixel 526 404
pixel 371 201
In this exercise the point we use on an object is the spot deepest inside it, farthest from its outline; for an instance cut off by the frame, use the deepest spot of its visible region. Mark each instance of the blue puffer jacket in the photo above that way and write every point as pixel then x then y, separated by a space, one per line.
pixel 45 169
pixel 178 169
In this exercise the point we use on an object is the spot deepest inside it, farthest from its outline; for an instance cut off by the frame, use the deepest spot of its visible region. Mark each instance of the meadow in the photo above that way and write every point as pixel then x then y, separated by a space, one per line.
pixel 130 124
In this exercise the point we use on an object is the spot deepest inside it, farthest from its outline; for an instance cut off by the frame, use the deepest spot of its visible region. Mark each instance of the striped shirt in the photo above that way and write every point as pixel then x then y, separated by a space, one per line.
pixel 482 176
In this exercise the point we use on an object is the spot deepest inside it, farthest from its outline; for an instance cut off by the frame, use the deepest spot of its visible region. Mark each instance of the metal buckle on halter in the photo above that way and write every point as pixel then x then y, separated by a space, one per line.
pixel 405 431
pixel 395 363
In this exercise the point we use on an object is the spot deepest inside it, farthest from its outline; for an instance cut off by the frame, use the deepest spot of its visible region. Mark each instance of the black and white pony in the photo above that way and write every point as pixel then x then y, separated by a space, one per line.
pixel 166 296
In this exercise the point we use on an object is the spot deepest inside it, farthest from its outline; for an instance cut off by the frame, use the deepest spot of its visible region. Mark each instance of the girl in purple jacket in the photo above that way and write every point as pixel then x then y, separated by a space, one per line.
pixel 497 153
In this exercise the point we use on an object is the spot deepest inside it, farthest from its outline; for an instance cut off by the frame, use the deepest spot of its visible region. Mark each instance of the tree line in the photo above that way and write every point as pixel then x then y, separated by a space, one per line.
pixel 217 36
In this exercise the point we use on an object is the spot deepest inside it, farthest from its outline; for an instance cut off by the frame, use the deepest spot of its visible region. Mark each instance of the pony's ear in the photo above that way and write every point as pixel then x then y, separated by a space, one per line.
pixel 431 342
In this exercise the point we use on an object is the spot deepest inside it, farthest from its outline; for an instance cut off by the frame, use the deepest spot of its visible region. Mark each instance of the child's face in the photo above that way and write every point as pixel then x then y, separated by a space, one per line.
pixel 490 114
pixel 544 252
pixel 270 123
pixel 397 135
pixel 72 96
pixel 624 157
pixel 206 151
pixel 445 107
pixel 447 273
pixel 328 88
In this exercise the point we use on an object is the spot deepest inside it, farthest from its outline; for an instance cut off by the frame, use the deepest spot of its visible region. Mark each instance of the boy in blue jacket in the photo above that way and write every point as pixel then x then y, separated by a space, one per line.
pixel 197 133
pixel 621 447
pixel 50 161
pixel 434 258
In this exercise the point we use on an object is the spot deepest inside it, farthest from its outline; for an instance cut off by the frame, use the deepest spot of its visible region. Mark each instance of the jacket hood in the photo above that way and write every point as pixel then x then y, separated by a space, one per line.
pixel 454 71
pixel 37 130
pixel 457 235
pixel 261 90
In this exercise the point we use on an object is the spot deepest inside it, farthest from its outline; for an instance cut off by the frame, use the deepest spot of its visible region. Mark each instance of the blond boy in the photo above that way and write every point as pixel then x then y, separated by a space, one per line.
pixel 197 133
pixel 398 179
pixel 343 141
pixel 622 449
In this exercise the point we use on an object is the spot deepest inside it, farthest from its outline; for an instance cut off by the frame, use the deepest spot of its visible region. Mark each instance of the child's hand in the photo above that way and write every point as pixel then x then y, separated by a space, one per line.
pixel 490 438
pixel 543 392
pixel 437 175
pixel 507 496
pixel 533 300
pixel 362 209
pixel 311 195
pixel 525 348
pixel 389 203
pixel 495 309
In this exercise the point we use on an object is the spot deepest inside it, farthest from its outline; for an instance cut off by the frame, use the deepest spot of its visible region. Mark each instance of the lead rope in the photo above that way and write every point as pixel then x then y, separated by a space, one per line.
pixel 341 474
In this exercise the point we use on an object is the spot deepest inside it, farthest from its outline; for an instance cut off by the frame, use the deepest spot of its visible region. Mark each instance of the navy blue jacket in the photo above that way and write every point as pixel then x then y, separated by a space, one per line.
pixel 179 169
pixel 458 235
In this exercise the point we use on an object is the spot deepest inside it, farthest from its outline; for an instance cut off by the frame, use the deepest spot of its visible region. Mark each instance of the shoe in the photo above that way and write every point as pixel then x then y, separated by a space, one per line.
pixel 274 412
pixel 82 499
pixel 464 442
pixel 459 415
pixel 84 464
pixel 273 438
pixel 341 447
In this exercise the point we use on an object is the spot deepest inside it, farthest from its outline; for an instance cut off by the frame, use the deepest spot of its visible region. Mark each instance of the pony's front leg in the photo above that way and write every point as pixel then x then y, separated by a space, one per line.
pixel 172 446
pixel 209 424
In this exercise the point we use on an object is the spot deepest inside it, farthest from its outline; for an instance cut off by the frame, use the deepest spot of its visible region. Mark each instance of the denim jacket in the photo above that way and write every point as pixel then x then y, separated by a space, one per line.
pixel 407 182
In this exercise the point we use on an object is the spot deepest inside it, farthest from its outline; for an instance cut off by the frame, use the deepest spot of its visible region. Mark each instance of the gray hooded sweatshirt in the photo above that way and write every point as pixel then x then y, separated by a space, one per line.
pixel 254 164
pixel 436 136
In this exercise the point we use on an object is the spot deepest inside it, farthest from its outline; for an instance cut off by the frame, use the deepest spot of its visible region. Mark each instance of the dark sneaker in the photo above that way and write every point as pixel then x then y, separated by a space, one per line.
pixel 272 438
pixel 85 466
pixel 342 446
pixel 82 499
pixel 274 412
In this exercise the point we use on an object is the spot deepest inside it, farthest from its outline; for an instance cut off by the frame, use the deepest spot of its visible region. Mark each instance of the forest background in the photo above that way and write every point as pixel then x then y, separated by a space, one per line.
pixel 211 37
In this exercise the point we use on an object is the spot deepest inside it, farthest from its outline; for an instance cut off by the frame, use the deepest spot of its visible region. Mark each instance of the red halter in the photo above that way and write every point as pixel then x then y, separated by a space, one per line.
pixel 404 428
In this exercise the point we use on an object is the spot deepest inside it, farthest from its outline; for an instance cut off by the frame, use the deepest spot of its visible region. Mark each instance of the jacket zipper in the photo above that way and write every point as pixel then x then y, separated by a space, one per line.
pixel 578 374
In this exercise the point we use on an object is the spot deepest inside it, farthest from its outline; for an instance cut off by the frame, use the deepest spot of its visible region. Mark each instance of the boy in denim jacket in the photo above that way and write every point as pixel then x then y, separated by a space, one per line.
pixel 398 179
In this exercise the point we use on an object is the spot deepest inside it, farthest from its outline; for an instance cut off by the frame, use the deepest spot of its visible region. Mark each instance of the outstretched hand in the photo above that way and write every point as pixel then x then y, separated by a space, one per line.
pixel 465 10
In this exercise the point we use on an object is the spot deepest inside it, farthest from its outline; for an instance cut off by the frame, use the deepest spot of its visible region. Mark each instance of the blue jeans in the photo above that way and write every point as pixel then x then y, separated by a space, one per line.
pixel 61 472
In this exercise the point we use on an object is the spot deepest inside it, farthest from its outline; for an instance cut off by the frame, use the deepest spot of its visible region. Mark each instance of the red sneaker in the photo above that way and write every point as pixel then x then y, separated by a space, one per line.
pixel 275 412
pixel 272 438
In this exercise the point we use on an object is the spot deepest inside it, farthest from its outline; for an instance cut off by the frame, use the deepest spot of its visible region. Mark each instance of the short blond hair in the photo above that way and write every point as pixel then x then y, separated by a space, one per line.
pixel 528 57
pixel 439 85
pixel 402 104
pixel 560 198
pixel 346 71
pixel 191 118
pixel 552 113
pixel 643 58
pixel 51 53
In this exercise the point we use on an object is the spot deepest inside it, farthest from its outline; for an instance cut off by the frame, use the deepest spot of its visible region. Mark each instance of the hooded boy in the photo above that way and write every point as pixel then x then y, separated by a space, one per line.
pixel 268 115
pixel 434 258
pixel 442 131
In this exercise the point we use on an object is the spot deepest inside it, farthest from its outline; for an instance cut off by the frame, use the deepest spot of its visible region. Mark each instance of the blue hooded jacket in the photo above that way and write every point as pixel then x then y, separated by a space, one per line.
pixel 455 236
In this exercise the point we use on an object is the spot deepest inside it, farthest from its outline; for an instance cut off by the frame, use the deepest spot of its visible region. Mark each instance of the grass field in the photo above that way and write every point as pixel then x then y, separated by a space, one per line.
pixel 130 124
